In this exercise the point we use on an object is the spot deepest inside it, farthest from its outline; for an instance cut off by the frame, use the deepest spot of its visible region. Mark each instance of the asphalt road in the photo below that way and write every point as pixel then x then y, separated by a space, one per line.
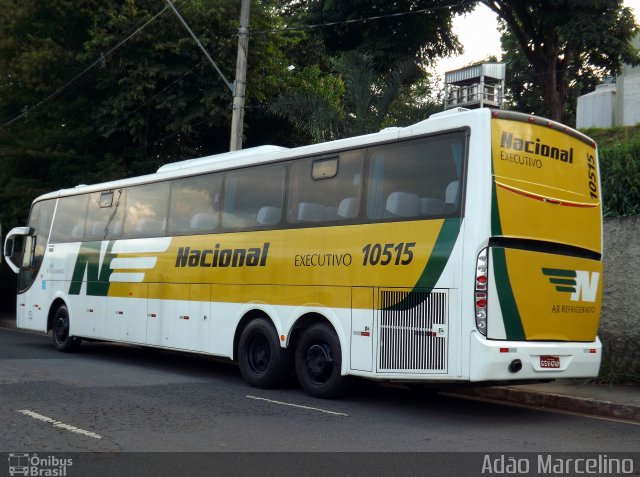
pixel 115 398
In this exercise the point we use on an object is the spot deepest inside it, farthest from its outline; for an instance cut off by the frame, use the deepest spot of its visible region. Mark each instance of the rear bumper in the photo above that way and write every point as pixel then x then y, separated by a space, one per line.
pixel 490 360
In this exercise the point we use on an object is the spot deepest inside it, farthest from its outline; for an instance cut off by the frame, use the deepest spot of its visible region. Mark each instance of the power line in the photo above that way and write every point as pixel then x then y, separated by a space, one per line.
pixel 358 20
pixel 102 57
pixel 100 60
pixel 202 48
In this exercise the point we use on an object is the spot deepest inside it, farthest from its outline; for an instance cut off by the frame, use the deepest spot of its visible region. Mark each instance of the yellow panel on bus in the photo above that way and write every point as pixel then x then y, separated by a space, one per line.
pixel 279 264
pixel 547 233
pixel 546 296
pixel 545 185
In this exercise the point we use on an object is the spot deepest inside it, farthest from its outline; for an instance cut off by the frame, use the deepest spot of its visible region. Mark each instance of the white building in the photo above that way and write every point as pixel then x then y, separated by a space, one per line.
pixel 612 104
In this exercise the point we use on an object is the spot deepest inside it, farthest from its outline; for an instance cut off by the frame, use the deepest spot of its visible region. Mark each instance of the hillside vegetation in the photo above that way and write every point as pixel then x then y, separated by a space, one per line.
pixel 619 150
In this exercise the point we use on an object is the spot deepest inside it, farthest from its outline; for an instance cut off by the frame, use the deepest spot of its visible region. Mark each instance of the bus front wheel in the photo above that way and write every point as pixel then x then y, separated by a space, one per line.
pixel 263 363
pixel 318 362
pixel 62 340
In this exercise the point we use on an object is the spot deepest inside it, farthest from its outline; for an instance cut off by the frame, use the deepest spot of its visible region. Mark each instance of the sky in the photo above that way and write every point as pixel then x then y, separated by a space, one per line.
pixel 478 33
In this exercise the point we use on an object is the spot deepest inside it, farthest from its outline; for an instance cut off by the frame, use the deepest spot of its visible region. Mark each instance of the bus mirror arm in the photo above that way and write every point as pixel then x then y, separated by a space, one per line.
pixel 21 231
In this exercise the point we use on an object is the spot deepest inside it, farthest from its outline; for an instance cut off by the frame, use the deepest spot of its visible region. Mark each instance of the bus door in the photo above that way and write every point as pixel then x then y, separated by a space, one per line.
pixel 179 316
pixel 362 328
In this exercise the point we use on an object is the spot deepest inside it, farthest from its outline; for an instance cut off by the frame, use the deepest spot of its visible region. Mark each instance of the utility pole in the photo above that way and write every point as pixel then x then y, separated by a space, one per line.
pixel 237 117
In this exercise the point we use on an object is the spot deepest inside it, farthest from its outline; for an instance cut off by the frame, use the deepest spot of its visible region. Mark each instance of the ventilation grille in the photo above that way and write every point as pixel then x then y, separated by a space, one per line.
pixel 413 331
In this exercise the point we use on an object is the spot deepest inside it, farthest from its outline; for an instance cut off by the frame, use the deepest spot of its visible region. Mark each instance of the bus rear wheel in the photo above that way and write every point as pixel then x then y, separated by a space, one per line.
pixel 318 363
pixel 62 340
pixel 263 362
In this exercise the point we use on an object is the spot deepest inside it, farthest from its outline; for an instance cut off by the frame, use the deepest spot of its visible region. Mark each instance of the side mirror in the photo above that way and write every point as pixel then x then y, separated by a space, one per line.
pixel 9 244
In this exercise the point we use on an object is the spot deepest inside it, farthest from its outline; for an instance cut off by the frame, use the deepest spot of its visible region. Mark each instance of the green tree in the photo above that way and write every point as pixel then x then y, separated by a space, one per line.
pixel 160 96
pixel 523 92
pixel 391 32
pixel 354 99
pixel 42 124
pixel 313 104
pixel 564 41
pixel 378 50
pixel 91 91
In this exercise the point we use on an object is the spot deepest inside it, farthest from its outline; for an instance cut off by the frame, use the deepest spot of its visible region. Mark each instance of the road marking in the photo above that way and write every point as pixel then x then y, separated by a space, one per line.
pixel 59 424
pixel 298 406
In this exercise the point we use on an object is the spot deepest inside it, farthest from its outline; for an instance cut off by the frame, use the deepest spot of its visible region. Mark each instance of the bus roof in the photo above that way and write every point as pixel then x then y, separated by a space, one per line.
pixel 443 121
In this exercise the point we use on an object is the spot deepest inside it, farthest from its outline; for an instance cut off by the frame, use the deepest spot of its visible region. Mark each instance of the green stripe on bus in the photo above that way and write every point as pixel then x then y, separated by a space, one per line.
pixel 435 265
pixel 440 254
pixel 510 314
pixel 566 289
pixel 559 272
pixel 496 226
pixel 562 281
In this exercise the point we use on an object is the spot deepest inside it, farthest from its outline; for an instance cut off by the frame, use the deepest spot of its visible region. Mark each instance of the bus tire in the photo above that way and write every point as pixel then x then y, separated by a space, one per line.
pixel 318 363
pixel 263 362
pixel 62 341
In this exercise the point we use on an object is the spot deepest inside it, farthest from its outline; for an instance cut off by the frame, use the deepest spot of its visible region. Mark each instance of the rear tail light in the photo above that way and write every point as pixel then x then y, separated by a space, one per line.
pixel 480 292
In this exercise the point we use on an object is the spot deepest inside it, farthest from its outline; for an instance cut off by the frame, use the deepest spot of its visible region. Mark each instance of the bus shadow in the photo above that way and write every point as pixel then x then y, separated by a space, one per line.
pixel 407 402
pixel 173 361
pixel 444 403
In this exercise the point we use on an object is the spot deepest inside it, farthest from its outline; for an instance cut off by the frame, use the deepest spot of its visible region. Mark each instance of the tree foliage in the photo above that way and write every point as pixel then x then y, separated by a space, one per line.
pixel 524 92
pixel 374 63
pixel 619 154
pixel 44 145
pixel 565 40
pixel 354 99
pixel 91 91
pixel 391 32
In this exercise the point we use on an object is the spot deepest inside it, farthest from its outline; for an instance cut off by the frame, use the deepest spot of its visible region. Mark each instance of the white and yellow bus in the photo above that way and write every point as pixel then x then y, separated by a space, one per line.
pixel 466 247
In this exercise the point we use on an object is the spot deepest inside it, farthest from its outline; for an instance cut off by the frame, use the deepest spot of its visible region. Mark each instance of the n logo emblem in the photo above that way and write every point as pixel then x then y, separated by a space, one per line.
pixel 97 273
pixel 586 285
pixel 582 285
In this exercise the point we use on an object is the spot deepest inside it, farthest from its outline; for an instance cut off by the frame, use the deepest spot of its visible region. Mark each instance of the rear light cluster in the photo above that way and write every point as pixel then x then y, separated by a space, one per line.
pixel 480 291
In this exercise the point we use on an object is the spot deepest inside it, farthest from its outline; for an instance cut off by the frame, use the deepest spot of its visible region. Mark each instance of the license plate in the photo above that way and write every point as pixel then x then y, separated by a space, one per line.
pixel 552 362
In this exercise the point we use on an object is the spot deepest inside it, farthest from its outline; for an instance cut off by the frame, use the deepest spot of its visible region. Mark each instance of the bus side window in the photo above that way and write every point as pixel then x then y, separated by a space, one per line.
pixel 325 189
pixel 116 214
pixel 101 213
pixel 146 210
pixel 195 205
pixel 69 221
pixel 416 179
pixel 253 198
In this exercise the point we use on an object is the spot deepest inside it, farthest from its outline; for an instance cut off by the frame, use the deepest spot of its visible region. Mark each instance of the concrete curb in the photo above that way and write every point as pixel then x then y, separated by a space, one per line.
pixel 563 402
